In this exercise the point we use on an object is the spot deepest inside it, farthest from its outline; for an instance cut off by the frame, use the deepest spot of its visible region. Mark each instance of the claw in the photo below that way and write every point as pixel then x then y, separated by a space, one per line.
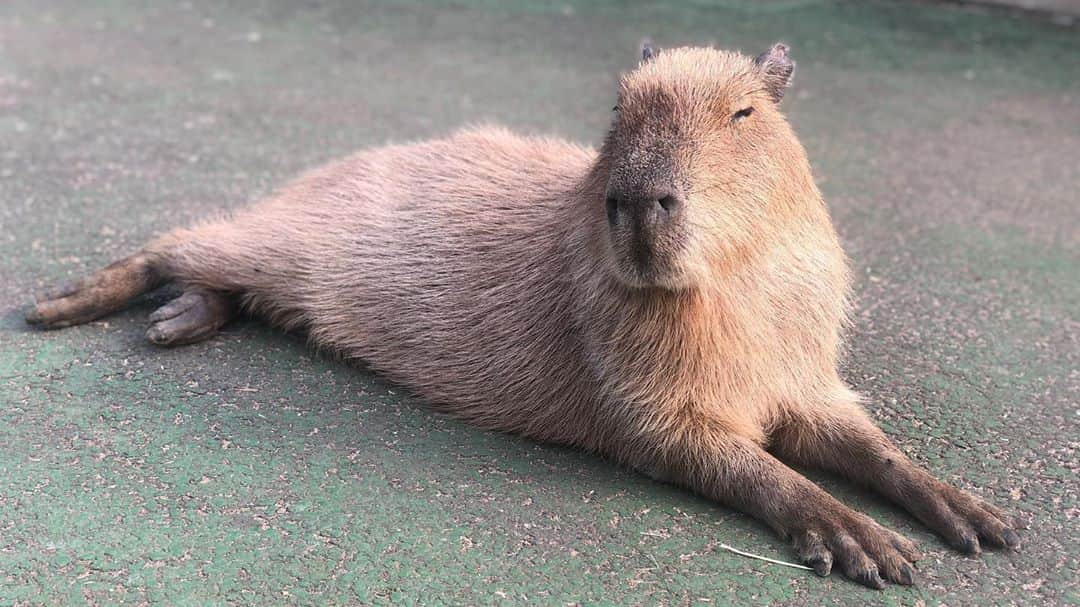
pixel 1012 539
pixel 870 577
pixel 157 336
pixel 907 575
pixel 32 315
pixel 822 564
pixel 968 543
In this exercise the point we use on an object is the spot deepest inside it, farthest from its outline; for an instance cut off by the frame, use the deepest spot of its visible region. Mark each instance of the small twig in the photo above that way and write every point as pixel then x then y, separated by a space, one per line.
pixel 653 558
pixel 765 558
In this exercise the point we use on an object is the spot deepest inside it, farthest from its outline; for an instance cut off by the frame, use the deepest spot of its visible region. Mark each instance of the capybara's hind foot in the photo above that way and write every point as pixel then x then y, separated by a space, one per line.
pixel 95 296
pixel 194 316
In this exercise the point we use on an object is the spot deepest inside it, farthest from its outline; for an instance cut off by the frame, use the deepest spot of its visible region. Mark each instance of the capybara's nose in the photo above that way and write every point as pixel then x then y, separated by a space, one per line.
pixel 653 209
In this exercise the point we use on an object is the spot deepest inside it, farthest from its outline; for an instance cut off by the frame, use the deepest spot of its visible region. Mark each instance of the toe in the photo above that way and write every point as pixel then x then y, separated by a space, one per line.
pixel 896 569
pixel 969 523
pixel 156 335
pixel 32 315
pixel 64 290
pixel 906 575
pixel 906 548
pixel 952 526
pixel 821 564
pixel 175 331
pixel 854 561
pixel 989 524
pixel 993 532
pixel 174 308
pixel 869 577
pixel 967 541
pixel 1012 539
pixel 193 324
pixel 812 550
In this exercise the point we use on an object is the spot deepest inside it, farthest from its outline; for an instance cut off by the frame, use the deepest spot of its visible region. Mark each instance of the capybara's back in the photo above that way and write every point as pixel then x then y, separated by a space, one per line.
pixel 674 300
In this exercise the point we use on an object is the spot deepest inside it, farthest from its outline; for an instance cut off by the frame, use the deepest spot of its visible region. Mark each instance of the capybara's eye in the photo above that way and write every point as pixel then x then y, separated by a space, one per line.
pixel 612 205
pixel 743 113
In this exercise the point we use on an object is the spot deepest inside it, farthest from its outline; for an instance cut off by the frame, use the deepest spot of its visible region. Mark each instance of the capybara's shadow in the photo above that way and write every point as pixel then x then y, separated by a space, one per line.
pixel 362 420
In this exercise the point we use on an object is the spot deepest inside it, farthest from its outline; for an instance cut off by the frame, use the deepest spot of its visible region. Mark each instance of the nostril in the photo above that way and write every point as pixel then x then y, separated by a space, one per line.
pixel 669 204
pixel 612 209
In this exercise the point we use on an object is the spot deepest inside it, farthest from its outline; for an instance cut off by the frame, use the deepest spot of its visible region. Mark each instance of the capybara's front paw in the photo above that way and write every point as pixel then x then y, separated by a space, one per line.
pixel 966 522
pixel 862 549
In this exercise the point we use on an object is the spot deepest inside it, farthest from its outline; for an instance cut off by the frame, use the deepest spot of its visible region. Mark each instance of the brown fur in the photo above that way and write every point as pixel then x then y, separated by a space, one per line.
pixel 533 286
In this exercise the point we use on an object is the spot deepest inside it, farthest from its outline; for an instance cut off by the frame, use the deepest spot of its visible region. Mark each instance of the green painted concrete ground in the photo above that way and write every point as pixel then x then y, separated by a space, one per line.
pixel 247 470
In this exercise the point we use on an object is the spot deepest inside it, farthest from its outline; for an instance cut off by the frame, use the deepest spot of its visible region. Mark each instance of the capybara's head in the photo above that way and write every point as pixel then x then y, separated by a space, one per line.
pixel 693 160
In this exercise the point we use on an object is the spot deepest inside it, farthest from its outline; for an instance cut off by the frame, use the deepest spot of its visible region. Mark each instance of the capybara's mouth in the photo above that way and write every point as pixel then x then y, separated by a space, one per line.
pixel 642 267
pixel 644 259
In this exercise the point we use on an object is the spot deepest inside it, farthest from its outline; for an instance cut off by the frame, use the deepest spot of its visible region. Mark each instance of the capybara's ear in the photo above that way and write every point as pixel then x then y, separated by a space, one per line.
pixel 776 68
pixel 648 51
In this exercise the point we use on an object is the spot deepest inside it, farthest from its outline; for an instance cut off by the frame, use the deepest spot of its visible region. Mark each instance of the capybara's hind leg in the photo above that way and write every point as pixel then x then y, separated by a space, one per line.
pixel 106 291
pixel 194 316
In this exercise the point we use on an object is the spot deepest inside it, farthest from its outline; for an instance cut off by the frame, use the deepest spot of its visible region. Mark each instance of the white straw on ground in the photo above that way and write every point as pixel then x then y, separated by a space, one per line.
pixel 765 558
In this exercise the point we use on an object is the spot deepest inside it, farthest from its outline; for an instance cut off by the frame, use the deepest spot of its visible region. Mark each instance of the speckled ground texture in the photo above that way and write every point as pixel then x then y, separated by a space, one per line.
pixel 248 470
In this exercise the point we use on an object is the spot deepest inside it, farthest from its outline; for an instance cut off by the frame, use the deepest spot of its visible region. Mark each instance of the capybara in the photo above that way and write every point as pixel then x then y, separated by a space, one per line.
pixel 674 301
